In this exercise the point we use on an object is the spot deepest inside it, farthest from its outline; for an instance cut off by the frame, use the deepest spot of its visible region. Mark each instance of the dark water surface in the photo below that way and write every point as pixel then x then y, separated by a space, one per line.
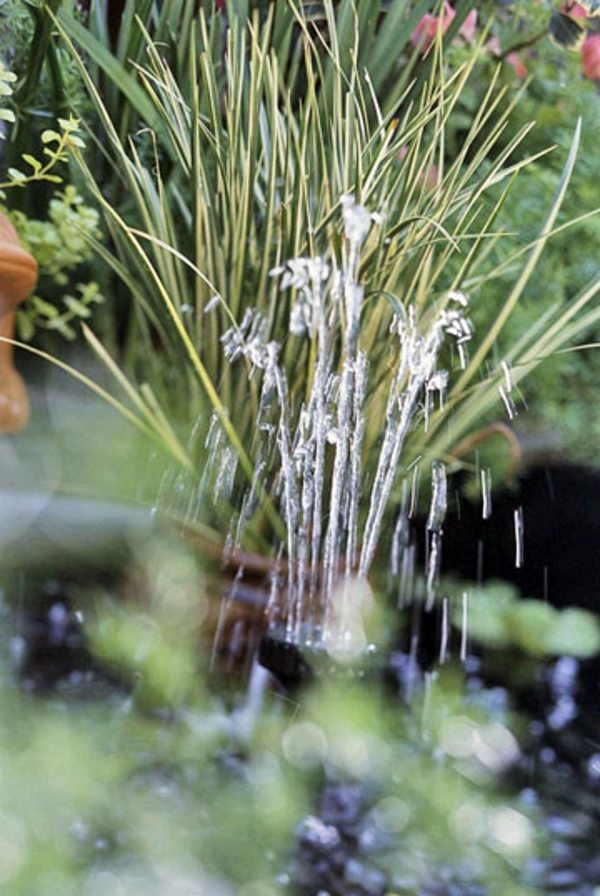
pixel 338 850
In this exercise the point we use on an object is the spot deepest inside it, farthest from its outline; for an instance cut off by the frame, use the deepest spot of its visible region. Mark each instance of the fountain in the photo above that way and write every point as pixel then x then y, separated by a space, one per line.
pixel 312 460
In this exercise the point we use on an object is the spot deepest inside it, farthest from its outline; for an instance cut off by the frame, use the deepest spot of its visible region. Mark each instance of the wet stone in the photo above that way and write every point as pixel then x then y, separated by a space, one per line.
pixel 566 828
pixel 404 672
pixel 563 879
pixel 342 804
pixel 560 851
pixel 591 870
pixel 529 798
pixel 447 888
pixel 593 767
pixel 320 836
pixel 232 763
pixel 535 872
pixel 370 880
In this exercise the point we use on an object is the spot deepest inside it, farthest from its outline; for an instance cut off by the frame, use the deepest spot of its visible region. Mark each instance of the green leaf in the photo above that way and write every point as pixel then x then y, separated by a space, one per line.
pixel 61 326
pixel 69 124
pixel 31 160
pixel 575 632
pixel 90 292
pixel 50 136
pixel 488 614
pixel 314 12
pixel 77 307
pixel 394 302
pixel 44 308
pixel 117 73
pixel 25 326
pixel 475 364
pixel 74 140
pixel 392 36
pixel 530 624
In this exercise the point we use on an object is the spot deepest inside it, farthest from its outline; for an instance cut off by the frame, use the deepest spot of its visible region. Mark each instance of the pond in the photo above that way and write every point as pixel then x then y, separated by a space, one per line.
pixel 509 747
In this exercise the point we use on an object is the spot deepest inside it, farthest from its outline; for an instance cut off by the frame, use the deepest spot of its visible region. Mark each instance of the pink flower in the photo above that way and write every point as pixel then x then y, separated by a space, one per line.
pixel 513 58
pixel 574 10
pixel 590 57
pixel 469 26
pixel 425 32
pixel 517 63
pixel 493 46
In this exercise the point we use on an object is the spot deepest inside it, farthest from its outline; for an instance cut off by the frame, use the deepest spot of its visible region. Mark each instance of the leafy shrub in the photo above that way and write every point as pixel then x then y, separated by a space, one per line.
pixel 60 244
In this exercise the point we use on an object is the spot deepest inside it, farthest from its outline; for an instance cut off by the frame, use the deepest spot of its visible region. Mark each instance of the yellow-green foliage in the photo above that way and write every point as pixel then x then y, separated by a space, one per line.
pixel 7 79
pixel 60 244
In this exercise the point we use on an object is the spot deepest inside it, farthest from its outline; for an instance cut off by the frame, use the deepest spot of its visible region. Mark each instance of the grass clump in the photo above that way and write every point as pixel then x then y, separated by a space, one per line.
pixel 249 144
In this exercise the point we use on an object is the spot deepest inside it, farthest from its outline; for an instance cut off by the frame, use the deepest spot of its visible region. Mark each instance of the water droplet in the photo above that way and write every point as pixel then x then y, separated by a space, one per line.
pixel 519 529
pixel 486 493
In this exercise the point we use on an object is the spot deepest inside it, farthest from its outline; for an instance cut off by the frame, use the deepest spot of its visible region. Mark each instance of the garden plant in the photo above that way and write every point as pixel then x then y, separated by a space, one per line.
pixel 316 253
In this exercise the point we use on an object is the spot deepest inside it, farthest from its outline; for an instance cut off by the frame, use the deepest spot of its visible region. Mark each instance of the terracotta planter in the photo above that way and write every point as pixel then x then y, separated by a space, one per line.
pixel 18 275
pixel 245 620
pixel 238 597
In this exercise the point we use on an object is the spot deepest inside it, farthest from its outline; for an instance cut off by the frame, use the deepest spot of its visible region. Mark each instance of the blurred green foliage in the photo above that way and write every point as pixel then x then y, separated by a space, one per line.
pixel 561 394
pixel 165 791
pixel 431 788
pixel 157 779
pixel 150 787
pixel 498 618
pixel 47 82
pixel 99 799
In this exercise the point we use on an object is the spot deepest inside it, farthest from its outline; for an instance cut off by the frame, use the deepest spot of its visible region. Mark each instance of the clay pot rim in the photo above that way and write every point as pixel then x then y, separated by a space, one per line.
pixel 15 285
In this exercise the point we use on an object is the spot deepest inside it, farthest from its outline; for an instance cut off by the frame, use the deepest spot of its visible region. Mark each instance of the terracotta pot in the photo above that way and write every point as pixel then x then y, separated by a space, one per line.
pixel 245 619
pixel 238 596
pixel 240 623
pixel 18 275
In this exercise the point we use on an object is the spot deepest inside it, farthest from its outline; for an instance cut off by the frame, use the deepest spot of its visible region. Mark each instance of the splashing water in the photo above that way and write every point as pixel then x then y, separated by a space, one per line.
pixel 486 493
pixel 332 502
pixel 519 535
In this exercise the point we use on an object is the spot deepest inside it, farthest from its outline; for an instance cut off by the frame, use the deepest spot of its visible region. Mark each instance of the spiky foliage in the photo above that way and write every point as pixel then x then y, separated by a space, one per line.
pixel 251 142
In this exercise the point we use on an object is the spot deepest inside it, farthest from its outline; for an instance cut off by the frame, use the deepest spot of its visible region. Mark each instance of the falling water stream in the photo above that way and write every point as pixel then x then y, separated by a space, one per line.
pixel 333 503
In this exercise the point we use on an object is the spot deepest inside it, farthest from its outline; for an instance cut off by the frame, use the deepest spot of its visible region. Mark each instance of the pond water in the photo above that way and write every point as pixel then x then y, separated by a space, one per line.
pixel 339 849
